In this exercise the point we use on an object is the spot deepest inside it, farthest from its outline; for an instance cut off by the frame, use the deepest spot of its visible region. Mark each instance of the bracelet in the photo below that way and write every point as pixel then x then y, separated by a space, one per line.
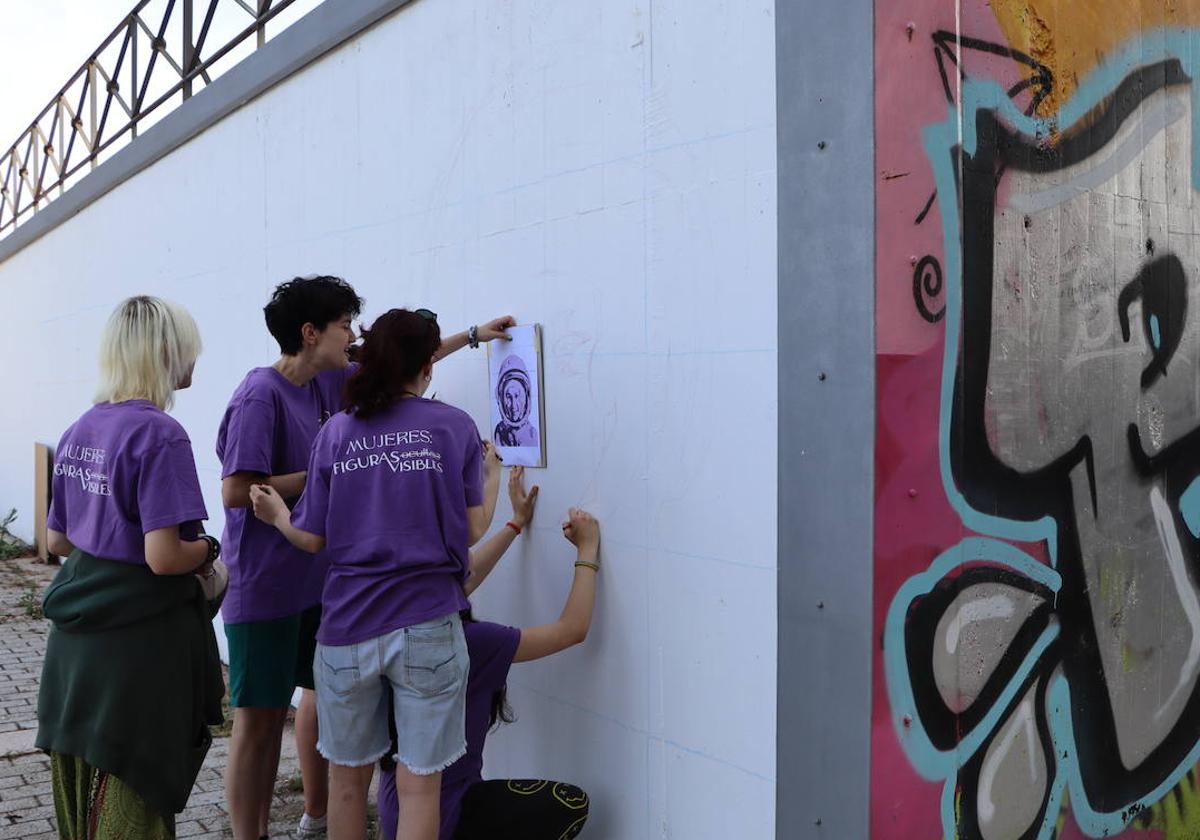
pixel 514 526
pixel 473 337
pixel 595 567
pixel 214 548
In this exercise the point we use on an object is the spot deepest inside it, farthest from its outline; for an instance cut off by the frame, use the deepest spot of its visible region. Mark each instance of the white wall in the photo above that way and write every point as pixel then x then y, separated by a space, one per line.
pixel 606 169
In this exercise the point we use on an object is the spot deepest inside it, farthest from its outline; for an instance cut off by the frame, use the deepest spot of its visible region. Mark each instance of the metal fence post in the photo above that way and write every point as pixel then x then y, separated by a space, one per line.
pixel 263 7
pixel 189 48
pixel 94 140
pixel 134 99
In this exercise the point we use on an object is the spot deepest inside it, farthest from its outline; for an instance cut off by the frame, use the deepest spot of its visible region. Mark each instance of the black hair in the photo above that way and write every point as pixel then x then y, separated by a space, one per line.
pixel 500 711
pixel 394 350
pixel 318 300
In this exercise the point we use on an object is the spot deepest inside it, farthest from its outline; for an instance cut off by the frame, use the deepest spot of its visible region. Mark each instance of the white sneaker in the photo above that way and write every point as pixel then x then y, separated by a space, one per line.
pixel 310 828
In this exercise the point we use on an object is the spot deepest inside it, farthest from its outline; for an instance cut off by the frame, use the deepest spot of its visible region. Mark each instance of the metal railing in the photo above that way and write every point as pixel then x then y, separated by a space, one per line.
pixel 158 54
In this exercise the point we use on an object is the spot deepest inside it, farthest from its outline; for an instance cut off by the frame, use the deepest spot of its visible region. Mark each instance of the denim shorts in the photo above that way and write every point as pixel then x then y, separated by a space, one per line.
pixel 427 666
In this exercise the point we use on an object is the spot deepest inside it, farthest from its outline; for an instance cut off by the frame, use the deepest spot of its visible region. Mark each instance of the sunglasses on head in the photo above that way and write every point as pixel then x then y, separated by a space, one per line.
pixel 427 314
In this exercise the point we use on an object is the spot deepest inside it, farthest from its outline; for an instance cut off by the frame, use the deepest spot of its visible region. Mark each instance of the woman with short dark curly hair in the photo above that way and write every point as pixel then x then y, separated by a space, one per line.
pixel 398 488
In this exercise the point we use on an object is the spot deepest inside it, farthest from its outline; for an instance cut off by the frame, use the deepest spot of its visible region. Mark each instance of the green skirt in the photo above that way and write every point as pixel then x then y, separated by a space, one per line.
pixel 93 805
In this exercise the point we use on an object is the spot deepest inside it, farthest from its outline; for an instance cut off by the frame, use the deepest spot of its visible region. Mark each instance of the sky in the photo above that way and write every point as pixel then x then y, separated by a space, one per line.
pixel 46 41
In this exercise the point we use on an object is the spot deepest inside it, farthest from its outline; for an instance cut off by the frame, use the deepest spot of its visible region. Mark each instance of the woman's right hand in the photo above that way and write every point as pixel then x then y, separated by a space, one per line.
pixel 522 502
pixel 491 461
pixel 268 504
pixel 582 529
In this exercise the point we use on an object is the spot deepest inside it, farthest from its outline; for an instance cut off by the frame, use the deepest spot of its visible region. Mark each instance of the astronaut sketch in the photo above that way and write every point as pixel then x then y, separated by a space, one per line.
pixel 514 397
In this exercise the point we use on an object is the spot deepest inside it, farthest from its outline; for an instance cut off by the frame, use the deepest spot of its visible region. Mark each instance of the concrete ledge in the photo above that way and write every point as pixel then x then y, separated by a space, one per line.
pixel 323 29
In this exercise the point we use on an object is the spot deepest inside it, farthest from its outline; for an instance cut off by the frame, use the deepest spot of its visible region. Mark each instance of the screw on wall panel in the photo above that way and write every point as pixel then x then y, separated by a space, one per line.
pixel 817 821
pixel 821 376
pixel 910 29
pixel 913 260
pixel 820 605
pixel 907 721
pixel 912 492
pixel 821 145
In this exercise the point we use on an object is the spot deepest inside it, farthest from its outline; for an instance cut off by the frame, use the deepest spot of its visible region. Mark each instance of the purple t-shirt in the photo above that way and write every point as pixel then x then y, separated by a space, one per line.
pixel 120 471
pixel 390 495
pixel 268 428
pixel 492 648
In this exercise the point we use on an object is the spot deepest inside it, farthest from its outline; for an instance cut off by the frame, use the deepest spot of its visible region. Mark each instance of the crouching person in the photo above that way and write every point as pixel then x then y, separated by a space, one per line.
pixel 474 808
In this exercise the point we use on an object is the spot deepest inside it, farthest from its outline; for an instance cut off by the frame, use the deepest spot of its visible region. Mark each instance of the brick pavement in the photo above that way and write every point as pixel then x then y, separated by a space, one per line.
pixel 26 804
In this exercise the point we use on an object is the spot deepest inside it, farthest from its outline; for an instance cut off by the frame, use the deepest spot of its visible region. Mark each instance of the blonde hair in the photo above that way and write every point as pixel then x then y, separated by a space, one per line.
pixel 149 347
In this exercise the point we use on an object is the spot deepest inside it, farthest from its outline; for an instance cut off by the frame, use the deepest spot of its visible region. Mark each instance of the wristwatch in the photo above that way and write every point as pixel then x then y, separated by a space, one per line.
pixel 473 337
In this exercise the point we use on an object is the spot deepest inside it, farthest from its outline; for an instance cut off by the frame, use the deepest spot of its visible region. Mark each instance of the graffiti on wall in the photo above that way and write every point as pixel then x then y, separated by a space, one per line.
pixel 1040 613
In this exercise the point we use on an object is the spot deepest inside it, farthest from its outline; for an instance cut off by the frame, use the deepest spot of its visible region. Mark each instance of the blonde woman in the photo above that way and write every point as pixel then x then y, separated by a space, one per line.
pixel 131 680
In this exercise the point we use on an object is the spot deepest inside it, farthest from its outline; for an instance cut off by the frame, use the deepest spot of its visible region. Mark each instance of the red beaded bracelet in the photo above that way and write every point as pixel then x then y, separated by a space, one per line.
pixel 514 526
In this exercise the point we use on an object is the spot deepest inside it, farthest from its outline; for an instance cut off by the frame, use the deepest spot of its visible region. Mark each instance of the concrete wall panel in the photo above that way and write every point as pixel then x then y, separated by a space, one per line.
pixel 605 169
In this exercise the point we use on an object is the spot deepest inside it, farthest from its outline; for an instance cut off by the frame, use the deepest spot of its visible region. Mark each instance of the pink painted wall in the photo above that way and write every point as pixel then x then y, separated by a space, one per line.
pixel 916 520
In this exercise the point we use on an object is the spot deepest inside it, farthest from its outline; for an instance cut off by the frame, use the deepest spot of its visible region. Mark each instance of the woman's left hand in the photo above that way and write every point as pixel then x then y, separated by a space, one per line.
pixel 496 327
pixel 522 502
pixel 582 529
pixel 268 504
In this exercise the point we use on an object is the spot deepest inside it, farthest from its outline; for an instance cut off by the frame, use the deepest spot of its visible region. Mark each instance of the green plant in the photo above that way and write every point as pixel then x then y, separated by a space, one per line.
pixel 226 728
pixel 10 546
pixel 31 602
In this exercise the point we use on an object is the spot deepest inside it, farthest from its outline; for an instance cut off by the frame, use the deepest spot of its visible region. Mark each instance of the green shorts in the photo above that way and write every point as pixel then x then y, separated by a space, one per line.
pixel 268 659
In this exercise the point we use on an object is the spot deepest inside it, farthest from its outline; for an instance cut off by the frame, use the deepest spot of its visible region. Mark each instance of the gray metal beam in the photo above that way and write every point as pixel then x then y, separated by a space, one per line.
pixel 825 94
pixel 323 29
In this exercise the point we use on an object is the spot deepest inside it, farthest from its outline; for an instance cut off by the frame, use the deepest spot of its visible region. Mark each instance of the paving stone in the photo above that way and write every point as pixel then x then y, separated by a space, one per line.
pixel 190 828
pixel 21 829
pixel 26 797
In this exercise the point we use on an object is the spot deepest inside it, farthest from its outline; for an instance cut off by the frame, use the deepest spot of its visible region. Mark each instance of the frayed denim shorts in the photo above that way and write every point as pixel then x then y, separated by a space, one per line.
pixel 426 665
